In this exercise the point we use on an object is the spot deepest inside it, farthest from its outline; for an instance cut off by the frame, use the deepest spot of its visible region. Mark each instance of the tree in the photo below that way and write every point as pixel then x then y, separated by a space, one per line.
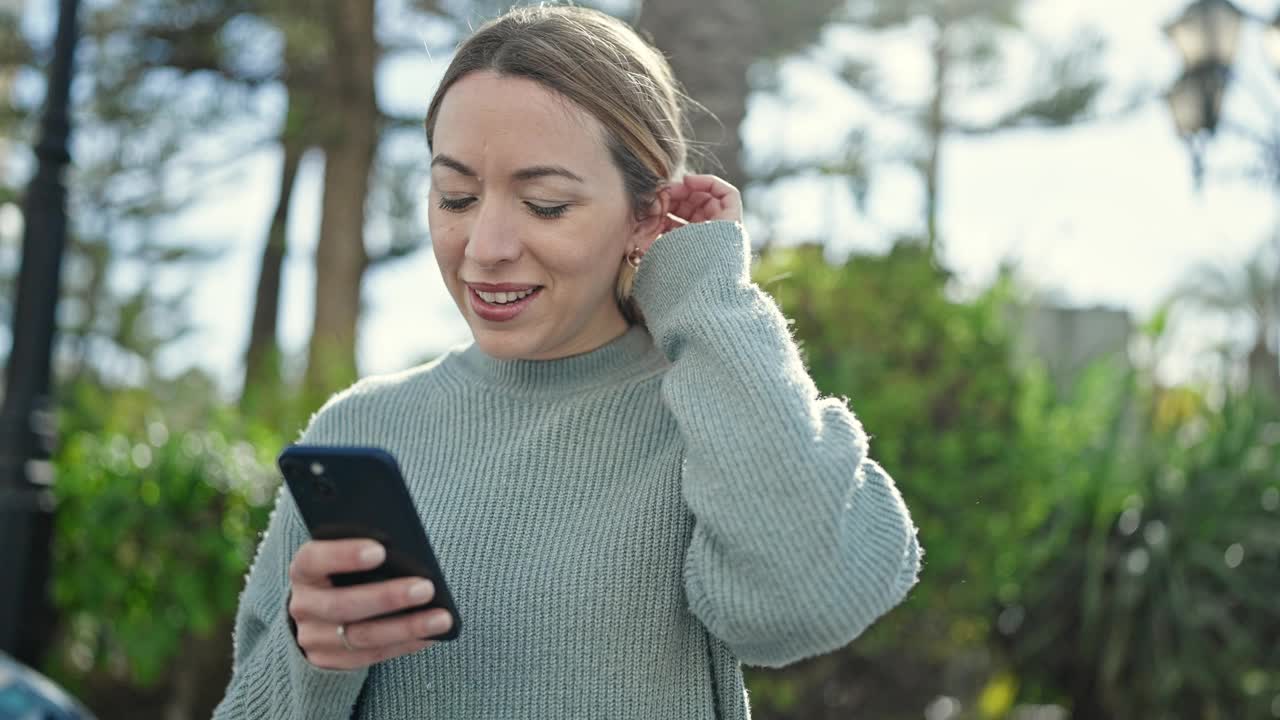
pixel 963 43
pixel 1251 293
pixel 712 47
pixel 348 135
pixel 119 306
pixel 14 53
pixel 324 58
pixel 262 357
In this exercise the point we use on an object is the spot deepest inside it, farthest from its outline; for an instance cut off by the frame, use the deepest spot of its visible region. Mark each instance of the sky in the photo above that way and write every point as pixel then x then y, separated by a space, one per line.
pixel 1104 213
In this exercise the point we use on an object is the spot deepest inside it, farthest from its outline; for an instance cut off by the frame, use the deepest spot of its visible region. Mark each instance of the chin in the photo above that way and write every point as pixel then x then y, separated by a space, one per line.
pixel 503 345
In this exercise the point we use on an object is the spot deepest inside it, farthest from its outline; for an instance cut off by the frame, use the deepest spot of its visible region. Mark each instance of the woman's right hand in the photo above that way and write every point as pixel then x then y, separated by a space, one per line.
pixel 318 608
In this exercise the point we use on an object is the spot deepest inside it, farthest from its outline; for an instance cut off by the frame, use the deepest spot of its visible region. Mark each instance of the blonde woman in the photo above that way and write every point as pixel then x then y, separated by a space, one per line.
pixel 628 476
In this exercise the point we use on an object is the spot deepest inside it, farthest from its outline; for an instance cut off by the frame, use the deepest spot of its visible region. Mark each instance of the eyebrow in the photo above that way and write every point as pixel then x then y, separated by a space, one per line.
pixel 521 175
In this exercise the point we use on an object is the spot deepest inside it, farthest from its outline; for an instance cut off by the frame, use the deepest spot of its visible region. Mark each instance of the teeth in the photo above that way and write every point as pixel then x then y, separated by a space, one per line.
pixel 503 298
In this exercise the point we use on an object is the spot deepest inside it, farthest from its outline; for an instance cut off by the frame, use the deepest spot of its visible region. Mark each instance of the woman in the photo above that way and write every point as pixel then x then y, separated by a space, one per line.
pixel 628 477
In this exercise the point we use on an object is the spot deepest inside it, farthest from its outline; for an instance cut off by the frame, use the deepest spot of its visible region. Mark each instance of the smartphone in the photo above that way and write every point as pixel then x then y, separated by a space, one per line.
pixel 359 492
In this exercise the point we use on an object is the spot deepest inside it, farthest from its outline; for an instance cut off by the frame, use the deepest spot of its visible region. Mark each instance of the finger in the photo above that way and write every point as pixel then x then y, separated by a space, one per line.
pixel 344 659
pixel 690 204
pixel 421 625
pixel 676 190
pixel 709 184
pixel 699 198
pixel 316 560
pixel 359 602
pixel 696 207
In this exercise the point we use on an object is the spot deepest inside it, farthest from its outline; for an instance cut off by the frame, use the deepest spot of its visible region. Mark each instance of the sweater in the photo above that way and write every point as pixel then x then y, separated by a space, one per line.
pixel 621 529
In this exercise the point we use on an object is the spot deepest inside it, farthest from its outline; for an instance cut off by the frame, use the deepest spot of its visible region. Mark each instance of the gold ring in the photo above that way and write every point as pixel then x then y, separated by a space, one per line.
pixel 342 635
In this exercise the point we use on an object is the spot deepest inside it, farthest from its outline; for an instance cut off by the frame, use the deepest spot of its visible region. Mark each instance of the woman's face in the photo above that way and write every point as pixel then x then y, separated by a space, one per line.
pixel 525 196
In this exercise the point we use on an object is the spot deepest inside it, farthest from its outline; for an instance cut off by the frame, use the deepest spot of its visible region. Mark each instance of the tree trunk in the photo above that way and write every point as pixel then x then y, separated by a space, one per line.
pixel 710 45
pixel 262 358
pixel 936 128
pixel 348 139
pixel 1263 369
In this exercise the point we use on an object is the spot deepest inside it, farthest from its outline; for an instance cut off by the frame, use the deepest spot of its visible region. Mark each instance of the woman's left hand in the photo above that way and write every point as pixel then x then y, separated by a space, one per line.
pixel 701 198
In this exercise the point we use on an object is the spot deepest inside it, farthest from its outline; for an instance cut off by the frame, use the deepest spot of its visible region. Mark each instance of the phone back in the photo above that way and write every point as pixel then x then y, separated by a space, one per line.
pixel 359 492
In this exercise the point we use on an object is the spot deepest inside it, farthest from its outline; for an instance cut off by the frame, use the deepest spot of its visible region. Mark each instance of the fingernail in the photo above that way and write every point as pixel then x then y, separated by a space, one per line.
pixel 420 591
pixel 439 623
pixel 373 554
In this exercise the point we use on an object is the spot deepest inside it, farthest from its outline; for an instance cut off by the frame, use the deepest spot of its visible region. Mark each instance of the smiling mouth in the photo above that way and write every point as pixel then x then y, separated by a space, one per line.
pixel 505 297
pixel 501 306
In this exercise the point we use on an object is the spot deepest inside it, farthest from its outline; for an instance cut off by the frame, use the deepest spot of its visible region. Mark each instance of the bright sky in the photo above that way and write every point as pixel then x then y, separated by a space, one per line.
pixel 1104 213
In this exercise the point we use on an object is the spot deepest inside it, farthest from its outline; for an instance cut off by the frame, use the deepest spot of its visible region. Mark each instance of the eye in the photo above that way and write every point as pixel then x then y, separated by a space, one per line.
pixel 544 211
pixel 455 204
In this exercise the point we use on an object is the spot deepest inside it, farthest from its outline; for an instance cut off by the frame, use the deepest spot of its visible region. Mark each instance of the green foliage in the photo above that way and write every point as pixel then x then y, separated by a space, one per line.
pixel 1150 592
pixel 14 50
pixel 156 527
pixel 932 379
pixel 1097 549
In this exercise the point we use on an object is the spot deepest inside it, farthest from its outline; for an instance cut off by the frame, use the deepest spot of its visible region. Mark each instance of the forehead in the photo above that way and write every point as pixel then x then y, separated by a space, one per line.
pixel 500 121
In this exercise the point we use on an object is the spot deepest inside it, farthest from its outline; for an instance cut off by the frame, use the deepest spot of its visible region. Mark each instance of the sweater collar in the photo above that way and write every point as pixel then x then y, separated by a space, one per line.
pixel 626 355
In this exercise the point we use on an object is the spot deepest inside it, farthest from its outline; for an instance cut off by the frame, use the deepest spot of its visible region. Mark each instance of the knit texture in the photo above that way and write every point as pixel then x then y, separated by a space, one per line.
pixel 621 529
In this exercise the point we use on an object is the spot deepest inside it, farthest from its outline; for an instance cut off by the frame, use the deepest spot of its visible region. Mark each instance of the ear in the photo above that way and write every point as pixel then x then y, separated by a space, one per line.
pixel 647 229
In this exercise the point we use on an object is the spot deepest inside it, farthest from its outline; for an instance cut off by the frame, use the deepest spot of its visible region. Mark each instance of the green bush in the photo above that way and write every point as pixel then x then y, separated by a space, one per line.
pixel 1151 590
pixel 154 535
pixel 162 495
pixel 1116 551
pixel 933 379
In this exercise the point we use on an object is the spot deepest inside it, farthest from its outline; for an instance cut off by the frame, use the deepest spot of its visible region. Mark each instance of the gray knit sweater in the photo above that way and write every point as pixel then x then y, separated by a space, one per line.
pixel 621 529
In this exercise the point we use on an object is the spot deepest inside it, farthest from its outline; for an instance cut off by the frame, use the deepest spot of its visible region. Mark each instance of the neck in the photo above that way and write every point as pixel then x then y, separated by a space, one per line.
pixel 630 353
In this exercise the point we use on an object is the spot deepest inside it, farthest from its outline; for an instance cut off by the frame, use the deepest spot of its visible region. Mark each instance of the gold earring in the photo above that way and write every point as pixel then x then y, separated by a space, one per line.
pixel 633 257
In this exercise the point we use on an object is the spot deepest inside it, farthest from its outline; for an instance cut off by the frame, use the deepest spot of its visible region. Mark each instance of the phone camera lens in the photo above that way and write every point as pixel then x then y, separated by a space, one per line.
pixel 325 489
pixel 317 469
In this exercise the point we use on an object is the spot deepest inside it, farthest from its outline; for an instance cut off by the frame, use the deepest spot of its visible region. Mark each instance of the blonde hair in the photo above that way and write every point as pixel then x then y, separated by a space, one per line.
pixel 604 66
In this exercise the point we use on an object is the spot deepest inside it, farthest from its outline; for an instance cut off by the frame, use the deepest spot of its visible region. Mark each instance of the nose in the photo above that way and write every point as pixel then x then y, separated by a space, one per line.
pixel 494 237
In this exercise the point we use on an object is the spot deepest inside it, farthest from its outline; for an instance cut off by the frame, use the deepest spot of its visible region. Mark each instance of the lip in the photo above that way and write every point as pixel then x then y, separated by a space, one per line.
pixel 500 313
pixel 501 287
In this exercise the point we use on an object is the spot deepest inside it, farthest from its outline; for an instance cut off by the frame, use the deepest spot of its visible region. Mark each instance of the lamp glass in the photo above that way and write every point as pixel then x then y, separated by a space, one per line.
pixel 1187 106
pixel 1225 20
pixel 1207 31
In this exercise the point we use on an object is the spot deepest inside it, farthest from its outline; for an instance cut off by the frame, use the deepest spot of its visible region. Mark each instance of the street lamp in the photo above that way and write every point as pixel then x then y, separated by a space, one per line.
pixel 1207 35
pixel 26 417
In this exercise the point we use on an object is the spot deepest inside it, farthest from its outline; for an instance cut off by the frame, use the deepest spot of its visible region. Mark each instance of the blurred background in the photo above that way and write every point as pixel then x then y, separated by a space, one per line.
pixel 1034 242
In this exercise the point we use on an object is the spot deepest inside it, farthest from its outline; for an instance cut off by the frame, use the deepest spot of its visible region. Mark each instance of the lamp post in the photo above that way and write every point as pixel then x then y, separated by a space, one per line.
pixel 1207 36
pixel 26 418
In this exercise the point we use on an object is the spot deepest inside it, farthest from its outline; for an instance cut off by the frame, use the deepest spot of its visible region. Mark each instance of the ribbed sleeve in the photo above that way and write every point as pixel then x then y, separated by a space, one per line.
pixel 800 540
pixel 271 679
